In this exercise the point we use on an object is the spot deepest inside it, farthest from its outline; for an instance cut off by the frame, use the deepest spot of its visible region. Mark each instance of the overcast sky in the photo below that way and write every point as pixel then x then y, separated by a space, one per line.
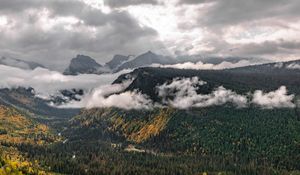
pixel 51 32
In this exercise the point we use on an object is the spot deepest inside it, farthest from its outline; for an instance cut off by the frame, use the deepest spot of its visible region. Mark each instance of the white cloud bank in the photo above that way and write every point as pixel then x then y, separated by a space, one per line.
pixel 182 93
pixel 293 66
pixel 99 91
pixel 206 66
pixel 112 96
pixel 274 99
pixel 47 83
pixel 288 66
pixel 185 94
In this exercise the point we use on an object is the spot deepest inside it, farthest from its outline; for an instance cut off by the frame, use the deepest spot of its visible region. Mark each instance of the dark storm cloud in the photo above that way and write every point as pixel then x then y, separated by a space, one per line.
pixel 194 1
pixel 124 3
pixel 57 8
pixel 222 13
pixel 51 32
pixel 219 16
pixel 16 5
pixel 94 33
pixel 62 7
pixel 268 48
pixel 231 12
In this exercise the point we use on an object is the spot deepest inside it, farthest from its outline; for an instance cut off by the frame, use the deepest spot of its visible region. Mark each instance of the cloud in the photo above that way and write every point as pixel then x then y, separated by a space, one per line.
pixel 287 66
pixel 268 47
pixel 194 1
pixel 98 89
pixel 255 10
pixel 47 83
pixel 124 3
pixel 180 93
pixel 200 65
pixel 112 96
pixel 274 99
pixel 180 86
pixel 253 27
pixel 14 63
pixel 184 94
pixel 293 66
pixel 52 32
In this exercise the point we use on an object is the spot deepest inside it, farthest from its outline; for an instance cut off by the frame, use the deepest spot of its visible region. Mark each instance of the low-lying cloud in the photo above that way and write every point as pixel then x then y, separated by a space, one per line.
pixel 293 66
pixel 113 96
pixel 206 66
pixel 180 93
pixel 46 83
pixel 287 66
pixel 184 94
pixel 274 99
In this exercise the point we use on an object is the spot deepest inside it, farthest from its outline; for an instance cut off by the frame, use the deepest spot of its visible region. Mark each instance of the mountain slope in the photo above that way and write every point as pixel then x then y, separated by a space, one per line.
pixel 116 61
pixel 218 60
pixel 130 125
pixel 146 59
pixel 25 99
pixel 242 80
pixel 19 128
pixel 19 63
pixel 82 64
pixel 208 140
pixel 273 68
pixel 254 140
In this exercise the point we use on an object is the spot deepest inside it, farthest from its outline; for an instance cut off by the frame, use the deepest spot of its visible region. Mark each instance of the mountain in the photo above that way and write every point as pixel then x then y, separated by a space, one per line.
pixel 218 60
pixel 146 59
pixel 226 139
pixel 19 128
pixel 117 61
pixel 25 99
pixel 267 77
pixel 19 63
pixel 270 68
pixel 16 126
pixel 85 64
pixel 149 58
pixel 82 64
pixel 170 138
pixel 163 140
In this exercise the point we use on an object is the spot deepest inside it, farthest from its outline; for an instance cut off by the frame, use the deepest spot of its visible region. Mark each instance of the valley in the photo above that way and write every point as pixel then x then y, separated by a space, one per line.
pixel 219 138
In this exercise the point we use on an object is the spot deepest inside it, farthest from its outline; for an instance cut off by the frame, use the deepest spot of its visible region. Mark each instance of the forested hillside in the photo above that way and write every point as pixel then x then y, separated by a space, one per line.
pixel 17 128
pixel 168 141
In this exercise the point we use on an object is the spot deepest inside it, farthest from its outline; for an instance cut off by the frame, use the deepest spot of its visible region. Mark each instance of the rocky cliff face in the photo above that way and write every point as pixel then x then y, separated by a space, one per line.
pixel 82 64
pixel 117 61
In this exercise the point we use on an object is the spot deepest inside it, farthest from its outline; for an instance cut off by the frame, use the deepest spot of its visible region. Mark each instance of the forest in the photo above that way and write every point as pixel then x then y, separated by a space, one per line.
pixel 215 140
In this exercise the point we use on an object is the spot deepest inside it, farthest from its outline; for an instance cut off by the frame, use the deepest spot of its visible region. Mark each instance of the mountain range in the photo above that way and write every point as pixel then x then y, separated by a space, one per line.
pixel 19 63
pixel 87 65
pixel 215 139
pixel 83 64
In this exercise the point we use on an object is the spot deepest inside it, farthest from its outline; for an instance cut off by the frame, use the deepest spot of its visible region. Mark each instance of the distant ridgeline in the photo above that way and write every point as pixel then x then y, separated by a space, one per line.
pixel 83 64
